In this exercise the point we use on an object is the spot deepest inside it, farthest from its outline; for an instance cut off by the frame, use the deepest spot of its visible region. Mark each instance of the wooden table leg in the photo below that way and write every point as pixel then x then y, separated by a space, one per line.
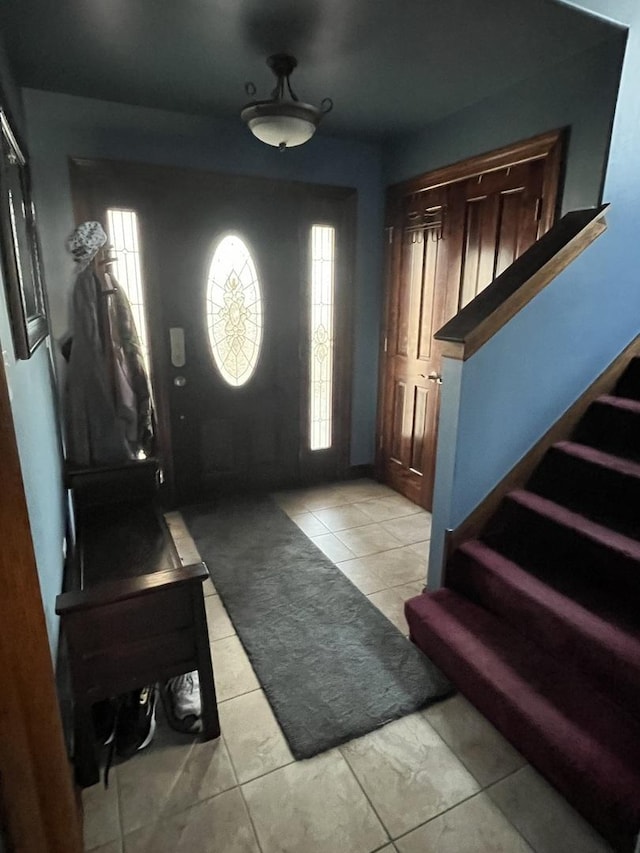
pixel 210 720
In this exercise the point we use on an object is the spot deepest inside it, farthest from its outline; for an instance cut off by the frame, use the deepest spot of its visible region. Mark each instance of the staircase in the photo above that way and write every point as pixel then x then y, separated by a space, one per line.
pixel 539 621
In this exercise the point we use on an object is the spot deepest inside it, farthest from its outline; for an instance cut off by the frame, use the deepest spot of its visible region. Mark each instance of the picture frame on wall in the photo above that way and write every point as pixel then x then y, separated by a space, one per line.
pixel 19 246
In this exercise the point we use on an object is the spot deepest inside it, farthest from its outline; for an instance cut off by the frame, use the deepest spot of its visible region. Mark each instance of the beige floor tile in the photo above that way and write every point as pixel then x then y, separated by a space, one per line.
pixel 111 847
pixel 363 489
pixel 219 825
pixel 543 816
pixel 342 517
pixel 253 737
pixel 291 502
pixel 208 588
pixel 101 816
pixel 232 669
pixel 187 552
pixel 362 575
pixel 409 773
pixel 370 539
pixel 172 774
pixel 410 528
pixel 421 549
pixel 176 523
pixel 388 849
pixel 218 621
pixel 323 497
pixel 410 590
pixel 480 747
pixel 391 603
pixel 395 567
pixel 475 826
pixel 309 524
pixel 314 806
pixel 383 509
pixel 332 547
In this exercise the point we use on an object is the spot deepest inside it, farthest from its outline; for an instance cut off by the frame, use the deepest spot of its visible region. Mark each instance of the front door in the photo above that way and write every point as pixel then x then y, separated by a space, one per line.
pixel 231 300
pixel 230 276
pixel 446 244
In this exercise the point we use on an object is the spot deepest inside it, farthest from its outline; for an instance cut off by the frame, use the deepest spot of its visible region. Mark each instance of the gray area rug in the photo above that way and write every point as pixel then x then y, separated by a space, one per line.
pixel 332 666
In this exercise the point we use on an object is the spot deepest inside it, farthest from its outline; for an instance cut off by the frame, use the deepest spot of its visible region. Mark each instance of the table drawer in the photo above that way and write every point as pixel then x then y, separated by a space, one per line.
pixel 145 617
pixel 128 666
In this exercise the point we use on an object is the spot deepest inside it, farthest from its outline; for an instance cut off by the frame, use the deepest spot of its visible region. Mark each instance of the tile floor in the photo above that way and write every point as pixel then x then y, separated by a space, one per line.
pixel 439 781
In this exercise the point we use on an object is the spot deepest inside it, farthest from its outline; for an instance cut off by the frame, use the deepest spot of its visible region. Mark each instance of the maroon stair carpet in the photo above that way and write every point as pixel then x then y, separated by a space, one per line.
pixel 539 621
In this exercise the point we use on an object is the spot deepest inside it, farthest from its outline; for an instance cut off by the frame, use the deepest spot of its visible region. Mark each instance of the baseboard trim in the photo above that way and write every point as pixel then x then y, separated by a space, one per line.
pixel 357 472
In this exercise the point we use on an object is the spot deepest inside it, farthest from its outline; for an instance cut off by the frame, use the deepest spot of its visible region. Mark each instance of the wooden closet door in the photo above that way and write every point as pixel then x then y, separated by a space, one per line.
pixel 418 302
pixel 488 221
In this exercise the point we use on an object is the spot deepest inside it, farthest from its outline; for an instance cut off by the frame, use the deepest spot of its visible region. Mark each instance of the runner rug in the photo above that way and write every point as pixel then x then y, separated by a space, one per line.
pixel 331 665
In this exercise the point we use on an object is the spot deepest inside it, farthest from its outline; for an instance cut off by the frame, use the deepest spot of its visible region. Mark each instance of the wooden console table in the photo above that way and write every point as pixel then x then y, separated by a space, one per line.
pixel 134 616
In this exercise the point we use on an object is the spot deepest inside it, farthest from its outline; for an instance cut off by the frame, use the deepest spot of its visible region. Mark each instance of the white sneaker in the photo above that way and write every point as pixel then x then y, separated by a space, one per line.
pixel 181 697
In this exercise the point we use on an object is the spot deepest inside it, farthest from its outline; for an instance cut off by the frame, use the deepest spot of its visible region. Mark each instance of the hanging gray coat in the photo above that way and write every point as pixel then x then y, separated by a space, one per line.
pixel 108 406
pixel 132 390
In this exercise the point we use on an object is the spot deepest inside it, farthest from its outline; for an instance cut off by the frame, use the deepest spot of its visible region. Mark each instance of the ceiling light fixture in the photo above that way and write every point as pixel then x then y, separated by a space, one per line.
pixel 283 121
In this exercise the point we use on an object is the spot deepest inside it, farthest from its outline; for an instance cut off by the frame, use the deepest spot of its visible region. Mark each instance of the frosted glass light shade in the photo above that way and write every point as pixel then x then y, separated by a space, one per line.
pixel 282 131
pixel 283 124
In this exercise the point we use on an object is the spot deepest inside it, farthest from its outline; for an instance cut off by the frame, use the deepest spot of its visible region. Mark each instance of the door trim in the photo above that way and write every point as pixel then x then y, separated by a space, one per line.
pixel 38 808
pixel 549 146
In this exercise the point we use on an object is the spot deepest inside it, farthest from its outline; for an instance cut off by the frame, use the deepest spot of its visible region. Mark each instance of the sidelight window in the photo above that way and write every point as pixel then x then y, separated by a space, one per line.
pixel 234 312
pixel 122 228
pixel 321 343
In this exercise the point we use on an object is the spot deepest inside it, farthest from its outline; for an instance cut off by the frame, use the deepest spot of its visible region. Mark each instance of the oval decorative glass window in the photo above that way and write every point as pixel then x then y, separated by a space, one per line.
pixel 234 310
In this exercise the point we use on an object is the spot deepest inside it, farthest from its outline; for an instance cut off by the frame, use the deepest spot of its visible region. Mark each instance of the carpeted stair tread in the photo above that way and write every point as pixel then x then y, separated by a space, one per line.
pixel 581 525
pixel 612 424
pixel 538 624
pixel 620 464
pixel 600 485
pixel 533 530
pixel 543 707
pixel 625 403
pixel 581 636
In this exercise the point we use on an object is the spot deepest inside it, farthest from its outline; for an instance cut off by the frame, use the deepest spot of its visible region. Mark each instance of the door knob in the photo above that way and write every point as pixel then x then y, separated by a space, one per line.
pixel 179 381
pixel 435 377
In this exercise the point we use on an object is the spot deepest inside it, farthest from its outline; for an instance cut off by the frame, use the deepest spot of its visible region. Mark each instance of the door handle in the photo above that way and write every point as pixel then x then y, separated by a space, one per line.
pixel 435 377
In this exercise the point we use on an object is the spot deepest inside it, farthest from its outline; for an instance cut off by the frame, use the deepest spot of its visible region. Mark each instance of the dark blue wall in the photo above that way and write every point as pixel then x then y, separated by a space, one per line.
pixel 32 395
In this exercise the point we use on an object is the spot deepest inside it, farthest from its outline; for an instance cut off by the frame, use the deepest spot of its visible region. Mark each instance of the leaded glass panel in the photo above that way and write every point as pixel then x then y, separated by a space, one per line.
pixel 321 344
pixel 234 310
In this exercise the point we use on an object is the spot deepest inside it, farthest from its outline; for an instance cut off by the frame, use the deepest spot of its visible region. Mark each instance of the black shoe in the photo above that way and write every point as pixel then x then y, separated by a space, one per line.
pixel 104 721
pixel 136 723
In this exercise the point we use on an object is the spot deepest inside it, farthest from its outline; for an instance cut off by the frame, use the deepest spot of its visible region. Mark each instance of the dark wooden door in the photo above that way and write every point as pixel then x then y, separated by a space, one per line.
pixel 501 218
pixel 226 435
pixel 446 244
pixel 225 422
pixel 420 299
